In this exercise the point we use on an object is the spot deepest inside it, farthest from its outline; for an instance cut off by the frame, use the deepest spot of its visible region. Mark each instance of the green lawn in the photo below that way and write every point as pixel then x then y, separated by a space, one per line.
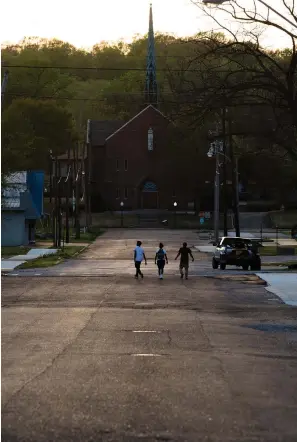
pixel 51 260
pixel 284 219
pixel 292 265
pixel 87 237
pixel 7 252
pixel 272 250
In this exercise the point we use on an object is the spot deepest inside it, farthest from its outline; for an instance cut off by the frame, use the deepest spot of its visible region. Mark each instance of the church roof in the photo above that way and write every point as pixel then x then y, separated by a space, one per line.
pixel 102 129
pixel 123 125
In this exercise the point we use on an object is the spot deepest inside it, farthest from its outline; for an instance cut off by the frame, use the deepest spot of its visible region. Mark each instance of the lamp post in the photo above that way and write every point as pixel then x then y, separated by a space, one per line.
pixel 122 217
pixel 220 2
pixel 216 150
pixel 175 206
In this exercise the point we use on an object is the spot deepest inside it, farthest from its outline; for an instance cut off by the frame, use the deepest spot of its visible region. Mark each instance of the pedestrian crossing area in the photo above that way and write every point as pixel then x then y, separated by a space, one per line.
pixel 115 268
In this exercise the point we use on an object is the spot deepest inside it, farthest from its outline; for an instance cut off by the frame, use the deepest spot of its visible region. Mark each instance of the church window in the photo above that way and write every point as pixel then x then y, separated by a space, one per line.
pixel 126 192
pixel 150 139
pixel 117 165
pixel 126 165
pixel 118 193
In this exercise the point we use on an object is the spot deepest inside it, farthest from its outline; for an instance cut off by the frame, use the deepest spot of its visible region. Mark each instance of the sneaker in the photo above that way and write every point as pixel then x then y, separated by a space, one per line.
pixel 181 276
pixel 186 277
pixel 142 275
pixel 161 276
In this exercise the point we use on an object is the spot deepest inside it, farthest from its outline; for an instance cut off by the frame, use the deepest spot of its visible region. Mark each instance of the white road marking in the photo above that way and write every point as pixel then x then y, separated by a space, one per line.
pixel 146 354
pixel 145 331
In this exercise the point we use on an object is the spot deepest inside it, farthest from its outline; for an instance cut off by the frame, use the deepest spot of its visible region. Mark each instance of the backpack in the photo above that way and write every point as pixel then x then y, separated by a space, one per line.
pixel 160 254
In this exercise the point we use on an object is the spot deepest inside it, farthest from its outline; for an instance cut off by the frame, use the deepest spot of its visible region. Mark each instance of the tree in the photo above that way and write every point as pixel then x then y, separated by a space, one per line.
pixel 30 130
pixel 256 73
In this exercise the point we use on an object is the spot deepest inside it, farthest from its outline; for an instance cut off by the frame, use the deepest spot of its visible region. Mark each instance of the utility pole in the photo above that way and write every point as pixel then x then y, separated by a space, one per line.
pixel 234 180
pixel 59 215
pixel 225 201
pixel 217 197
pixel 67 182
pixel 88 176
pixel 215 150
pixel 3 86
pixel 55 211
pixel 77 192
pixel 51 163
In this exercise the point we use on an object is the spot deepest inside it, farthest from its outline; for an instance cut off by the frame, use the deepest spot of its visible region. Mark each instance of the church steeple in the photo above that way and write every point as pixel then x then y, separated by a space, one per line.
pixel 151 88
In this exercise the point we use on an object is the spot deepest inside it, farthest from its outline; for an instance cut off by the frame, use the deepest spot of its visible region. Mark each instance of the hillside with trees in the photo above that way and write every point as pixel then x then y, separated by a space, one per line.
pixel 54 84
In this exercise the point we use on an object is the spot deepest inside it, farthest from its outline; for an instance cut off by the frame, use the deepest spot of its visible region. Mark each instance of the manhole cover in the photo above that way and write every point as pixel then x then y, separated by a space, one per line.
pixel 273 328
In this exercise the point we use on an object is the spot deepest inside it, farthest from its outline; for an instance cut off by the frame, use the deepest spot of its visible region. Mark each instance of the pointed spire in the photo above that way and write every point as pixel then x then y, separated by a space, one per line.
pixel 151 88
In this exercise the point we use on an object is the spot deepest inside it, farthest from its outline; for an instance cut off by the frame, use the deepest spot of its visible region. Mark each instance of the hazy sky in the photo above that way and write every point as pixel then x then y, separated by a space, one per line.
pixel 84 23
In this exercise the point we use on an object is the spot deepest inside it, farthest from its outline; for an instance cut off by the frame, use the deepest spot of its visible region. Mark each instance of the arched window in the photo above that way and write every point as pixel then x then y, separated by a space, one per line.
pixel 149 186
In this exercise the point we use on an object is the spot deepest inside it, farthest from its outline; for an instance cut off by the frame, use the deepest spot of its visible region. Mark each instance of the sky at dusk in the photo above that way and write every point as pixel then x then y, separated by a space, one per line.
pixel 84 23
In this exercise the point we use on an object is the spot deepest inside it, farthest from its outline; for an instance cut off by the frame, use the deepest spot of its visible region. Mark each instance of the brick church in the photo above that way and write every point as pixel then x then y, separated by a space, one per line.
pixel 132 162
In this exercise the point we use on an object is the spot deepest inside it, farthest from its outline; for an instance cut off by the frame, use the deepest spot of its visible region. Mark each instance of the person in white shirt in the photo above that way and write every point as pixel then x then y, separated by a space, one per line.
pixel 160 258
pixel 139 256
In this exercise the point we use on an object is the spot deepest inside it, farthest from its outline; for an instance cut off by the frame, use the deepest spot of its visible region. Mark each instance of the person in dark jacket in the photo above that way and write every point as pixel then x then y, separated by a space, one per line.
pixel 184 253
pixel 160 258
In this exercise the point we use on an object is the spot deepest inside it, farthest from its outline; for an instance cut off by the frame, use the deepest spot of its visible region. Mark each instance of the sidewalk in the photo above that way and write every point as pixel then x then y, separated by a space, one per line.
pixel 10 264
pixel 283 285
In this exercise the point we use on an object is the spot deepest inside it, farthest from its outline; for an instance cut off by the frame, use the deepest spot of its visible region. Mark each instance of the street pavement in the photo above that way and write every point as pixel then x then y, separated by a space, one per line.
pixel 112 254
pixel 117 359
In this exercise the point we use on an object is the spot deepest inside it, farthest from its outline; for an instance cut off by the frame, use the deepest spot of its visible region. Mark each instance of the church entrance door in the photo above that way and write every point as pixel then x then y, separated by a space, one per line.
pixel 149 196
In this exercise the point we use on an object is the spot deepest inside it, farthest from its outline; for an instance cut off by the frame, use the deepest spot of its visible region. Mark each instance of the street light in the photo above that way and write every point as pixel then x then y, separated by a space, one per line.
pixel 175 206
pixel 122 218
pixel 220 2
pixel 214 150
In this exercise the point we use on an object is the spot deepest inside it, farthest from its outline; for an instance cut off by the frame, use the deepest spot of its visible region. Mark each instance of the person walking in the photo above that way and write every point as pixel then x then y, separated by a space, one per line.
pixel 184 253
pixel 160 258
pixel 139 256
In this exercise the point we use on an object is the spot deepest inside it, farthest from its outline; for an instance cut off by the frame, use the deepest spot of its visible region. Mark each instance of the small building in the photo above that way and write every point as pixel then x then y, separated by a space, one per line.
pixel 21 207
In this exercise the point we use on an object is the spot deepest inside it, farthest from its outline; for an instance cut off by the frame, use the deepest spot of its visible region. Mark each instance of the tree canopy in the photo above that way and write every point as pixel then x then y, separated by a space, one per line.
pixel 197 77
pixel 31 130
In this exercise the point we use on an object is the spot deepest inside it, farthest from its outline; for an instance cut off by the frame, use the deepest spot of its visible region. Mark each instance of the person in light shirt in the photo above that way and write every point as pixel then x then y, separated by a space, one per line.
pixel 139 256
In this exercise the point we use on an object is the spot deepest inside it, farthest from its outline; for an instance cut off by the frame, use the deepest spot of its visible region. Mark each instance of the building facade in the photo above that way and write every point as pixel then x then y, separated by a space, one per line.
pixel 134 162
pixel 136 166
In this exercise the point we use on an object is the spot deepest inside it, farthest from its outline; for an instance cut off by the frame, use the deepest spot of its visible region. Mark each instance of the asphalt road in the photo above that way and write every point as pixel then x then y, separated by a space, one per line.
pixel 115 359
pixel 112 254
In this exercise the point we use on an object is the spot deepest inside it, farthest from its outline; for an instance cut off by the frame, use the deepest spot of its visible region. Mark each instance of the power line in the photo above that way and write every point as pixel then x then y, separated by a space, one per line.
pixel 193 101
pixel 125 56
pixel 50 97
pixel 89 68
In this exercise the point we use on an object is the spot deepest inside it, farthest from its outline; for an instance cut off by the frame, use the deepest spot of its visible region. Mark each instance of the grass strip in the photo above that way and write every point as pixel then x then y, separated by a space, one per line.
pixel 273 250
pixel 54 259
pixel 7 252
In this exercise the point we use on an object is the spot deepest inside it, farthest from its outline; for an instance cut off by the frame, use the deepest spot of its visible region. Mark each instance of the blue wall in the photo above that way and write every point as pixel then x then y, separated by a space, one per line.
pixel 35 183
pixel 13 232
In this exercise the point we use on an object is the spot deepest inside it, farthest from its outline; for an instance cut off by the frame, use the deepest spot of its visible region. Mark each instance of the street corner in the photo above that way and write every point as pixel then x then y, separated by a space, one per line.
pixel 251 279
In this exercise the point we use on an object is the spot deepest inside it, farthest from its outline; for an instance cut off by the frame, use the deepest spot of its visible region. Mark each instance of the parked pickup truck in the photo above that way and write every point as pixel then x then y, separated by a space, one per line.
pixel 236 251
